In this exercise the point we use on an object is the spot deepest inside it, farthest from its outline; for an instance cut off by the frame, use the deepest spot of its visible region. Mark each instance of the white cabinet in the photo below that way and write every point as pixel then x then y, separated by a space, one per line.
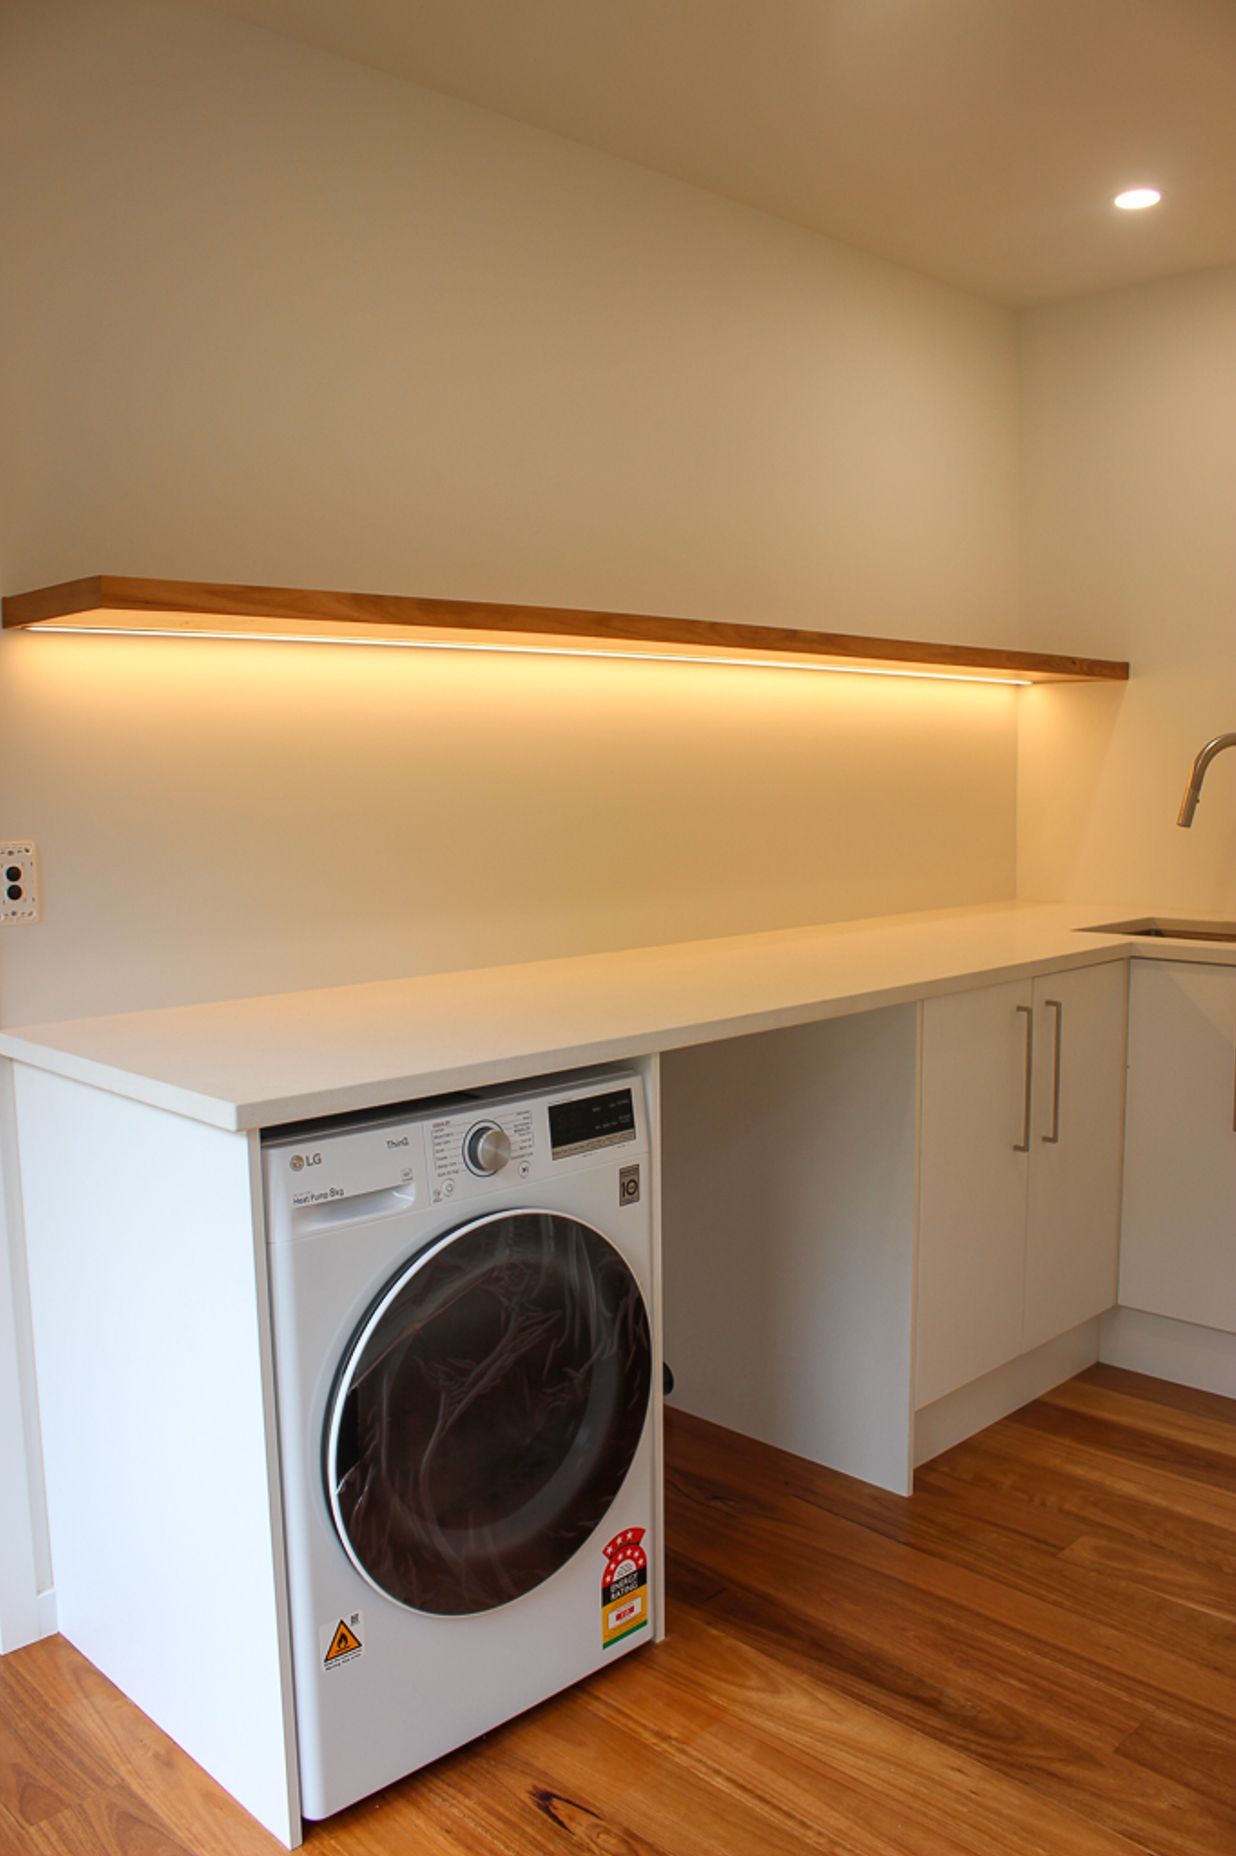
pixel 1073 1224
pixel 972 1185
pixel 1178 1255
pixel 1019 1188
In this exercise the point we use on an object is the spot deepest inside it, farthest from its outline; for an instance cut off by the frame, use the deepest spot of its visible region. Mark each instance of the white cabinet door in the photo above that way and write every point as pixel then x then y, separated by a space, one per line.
pixel 1022 1112
pixel 1178 1245
pixel 972 1185
pixel 1073 1229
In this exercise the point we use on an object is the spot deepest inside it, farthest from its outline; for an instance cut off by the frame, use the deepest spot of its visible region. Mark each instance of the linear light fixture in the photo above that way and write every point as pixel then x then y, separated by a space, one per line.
pixel 544 650
pixel 109 605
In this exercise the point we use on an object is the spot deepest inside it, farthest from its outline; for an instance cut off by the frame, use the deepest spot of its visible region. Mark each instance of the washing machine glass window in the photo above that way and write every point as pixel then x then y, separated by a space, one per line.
pixel 487 1411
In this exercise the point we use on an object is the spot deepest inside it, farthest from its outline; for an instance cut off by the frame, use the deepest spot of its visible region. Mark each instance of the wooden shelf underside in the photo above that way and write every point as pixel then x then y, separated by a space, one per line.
pixel 104 602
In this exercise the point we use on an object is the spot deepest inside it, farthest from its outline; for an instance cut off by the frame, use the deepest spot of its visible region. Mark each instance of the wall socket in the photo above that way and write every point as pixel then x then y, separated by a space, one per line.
pixel 19 881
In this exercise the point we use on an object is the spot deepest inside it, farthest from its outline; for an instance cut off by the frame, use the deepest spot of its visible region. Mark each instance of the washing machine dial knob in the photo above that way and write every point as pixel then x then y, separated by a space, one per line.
pixel 486 1148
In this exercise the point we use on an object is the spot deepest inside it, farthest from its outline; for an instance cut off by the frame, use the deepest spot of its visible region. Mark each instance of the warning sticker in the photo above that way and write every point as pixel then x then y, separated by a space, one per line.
pixel 342 1642
pixel 624 1587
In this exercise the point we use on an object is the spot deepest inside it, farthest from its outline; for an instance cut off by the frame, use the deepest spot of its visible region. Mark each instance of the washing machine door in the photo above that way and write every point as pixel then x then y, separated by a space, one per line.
pixel 487 1411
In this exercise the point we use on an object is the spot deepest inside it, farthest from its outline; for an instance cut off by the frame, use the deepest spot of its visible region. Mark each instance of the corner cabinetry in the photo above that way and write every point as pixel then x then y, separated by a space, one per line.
pixel 1022 1114
pixel 1178 1254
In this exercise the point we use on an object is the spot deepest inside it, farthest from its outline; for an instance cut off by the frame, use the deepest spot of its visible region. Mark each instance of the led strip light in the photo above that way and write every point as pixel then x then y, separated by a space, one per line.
pixel 539 650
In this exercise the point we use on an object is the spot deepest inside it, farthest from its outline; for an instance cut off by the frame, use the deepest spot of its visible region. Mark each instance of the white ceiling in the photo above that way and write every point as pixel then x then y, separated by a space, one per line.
pixel 979 141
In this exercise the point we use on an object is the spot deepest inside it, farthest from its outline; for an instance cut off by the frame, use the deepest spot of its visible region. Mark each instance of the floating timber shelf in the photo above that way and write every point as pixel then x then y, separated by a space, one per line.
pixel 188 608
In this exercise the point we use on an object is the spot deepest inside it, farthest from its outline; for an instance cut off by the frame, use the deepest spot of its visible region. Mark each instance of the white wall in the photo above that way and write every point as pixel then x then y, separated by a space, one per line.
pixel 272 316
pixel 1130 543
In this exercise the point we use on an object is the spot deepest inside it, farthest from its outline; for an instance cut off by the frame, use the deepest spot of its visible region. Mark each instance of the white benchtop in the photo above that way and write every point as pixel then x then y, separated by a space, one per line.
pixel 251 1063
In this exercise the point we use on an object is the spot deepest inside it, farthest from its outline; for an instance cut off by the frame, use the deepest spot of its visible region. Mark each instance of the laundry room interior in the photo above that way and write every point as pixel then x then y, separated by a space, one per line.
pixel 456 308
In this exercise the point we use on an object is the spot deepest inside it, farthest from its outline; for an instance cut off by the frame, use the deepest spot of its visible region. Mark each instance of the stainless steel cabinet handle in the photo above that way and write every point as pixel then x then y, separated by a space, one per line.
pixel 1054 1005
pixel 1023 1145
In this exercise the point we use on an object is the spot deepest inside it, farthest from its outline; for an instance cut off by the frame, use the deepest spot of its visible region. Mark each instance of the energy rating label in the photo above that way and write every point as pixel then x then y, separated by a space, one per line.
pixel 624 1587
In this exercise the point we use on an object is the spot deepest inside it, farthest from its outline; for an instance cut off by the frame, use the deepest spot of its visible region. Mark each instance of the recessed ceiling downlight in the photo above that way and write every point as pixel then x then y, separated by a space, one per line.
pixel 1133 199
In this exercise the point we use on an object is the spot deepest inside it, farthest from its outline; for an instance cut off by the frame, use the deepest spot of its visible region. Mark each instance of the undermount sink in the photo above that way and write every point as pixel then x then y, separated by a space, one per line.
pixel 1165 928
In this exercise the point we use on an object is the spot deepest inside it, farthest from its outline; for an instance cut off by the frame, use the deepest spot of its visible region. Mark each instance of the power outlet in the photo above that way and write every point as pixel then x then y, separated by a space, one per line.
pixel 19 882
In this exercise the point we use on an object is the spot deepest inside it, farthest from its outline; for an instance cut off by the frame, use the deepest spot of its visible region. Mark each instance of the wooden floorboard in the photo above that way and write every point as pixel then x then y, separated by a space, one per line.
pixel 1035 1654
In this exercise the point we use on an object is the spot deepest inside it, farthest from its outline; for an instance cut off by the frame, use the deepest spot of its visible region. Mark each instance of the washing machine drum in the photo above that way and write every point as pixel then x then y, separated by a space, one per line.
pixel 487 1412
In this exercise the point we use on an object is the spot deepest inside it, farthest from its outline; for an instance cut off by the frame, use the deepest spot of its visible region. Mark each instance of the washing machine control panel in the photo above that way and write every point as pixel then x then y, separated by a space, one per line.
pixel 475 1150
pixel 468 1150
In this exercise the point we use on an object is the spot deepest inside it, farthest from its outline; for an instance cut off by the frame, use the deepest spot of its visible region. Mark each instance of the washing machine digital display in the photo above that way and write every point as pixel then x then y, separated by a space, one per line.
pixel 591 1121
pixel 488 1411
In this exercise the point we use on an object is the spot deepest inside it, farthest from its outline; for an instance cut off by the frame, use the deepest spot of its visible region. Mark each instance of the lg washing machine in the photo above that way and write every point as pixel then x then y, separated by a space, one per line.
pixel 467 1372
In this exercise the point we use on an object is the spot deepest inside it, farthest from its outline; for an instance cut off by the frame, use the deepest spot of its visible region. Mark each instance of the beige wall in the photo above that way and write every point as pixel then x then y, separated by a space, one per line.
pixel 252 818
pixel 271 316
pixel 1129 413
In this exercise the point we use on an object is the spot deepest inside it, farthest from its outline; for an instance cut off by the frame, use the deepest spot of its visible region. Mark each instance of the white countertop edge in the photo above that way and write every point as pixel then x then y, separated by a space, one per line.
pixel 514 1066
pixel 234 1064
pixel 528 1064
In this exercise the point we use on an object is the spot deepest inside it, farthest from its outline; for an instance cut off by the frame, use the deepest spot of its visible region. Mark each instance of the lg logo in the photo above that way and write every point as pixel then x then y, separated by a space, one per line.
pixel 299 1161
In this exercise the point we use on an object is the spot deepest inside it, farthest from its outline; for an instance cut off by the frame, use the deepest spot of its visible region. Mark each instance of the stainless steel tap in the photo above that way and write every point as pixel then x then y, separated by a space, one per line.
pixel 1193 791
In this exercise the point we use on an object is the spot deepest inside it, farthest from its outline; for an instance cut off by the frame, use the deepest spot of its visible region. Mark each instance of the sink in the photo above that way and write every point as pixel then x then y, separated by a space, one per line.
pixel 1167 928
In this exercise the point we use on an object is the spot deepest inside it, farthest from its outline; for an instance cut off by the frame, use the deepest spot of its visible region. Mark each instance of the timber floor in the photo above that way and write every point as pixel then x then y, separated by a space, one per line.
pixel 1032 1657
